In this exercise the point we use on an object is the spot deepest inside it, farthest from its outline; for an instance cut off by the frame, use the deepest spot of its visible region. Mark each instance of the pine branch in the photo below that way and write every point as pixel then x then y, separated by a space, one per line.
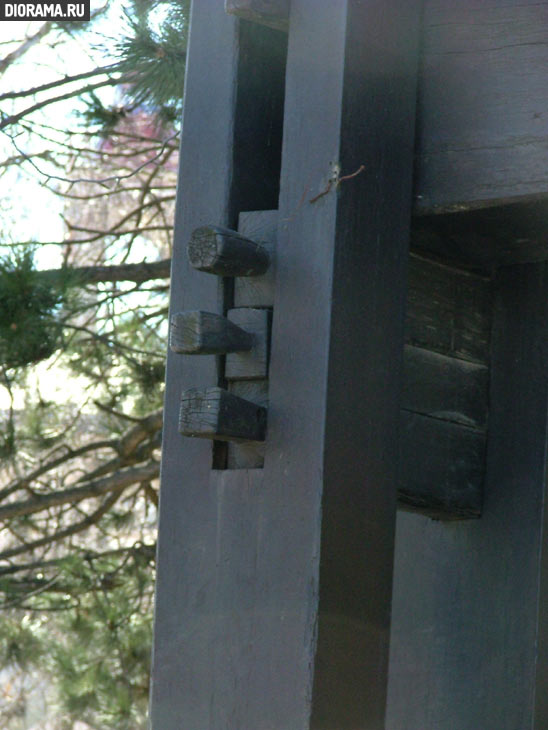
pixel 58 82
pixel 144 549
pixel 88 521
pixel 25 481
pixel 111 484
pixel 25 46
pixel 138 273
pixel 14 118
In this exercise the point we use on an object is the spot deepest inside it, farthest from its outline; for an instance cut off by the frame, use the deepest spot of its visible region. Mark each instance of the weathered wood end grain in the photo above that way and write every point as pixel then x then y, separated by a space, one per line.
pixel 252 364
pixel 214 413
pixel 220 251
pixel 206 333
pixel 274 13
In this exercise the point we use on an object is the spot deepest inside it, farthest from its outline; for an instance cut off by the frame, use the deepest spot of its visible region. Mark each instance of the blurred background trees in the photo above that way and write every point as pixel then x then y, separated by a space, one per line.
pixel 89 154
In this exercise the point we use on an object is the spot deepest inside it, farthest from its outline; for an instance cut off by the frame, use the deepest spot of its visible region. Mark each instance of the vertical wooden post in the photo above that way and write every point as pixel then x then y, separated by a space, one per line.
pixel 331 460
pixel 274 585
pixel 209 519
pixel 180 689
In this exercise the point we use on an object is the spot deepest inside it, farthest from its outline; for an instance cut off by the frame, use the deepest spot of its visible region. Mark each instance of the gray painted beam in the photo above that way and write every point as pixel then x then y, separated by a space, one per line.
pixel 341 260
pixel 185 590
pixel 469 623
pixel 210 521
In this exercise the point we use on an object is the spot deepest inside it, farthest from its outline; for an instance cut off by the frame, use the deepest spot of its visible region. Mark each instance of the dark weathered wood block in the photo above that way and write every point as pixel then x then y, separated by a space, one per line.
pixel 443 467
pixel 483 104
pixel 253 364
pixel 258 291
pixel 448 310
pixel 214 413
pixel 478 590
pixel 220 251
pixel 206 333
pixel 248 455
pixel 486 238
pixel 274 13
pixel 445 388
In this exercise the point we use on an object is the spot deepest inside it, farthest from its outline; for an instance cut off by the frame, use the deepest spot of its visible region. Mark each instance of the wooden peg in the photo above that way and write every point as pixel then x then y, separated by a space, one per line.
pixel 221 251
pixel 206 333
pixel 214 413
pixel 274 13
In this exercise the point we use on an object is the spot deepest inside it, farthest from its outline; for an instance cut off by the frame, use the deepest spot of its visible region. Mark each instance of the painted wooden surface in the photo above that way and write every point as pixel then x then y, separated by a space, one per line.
pixel 483 103
pixel 469 625
pixel 250 455
pixel 201 555
pixel 443 387
pixel 180 687
pixel 445 381
pixel 341 268
pixel 483 239
pixel 258 291
pixel 442 467
pixel 269 614
pixel 252 364
pixel 448 310
pixel 274 13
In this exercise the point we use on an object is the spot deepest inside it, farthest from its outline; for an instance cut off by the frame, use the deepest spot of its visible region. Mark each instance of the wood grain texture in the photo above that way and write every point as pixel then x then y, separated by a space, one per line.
pixel 448 310
pixel 181 673
pixel 258 291
pixel 444 387
pixel 443 467
pixel 209 527
pixel 214 413
pixel 253 364
pixel 350 99
pixel 274 13
pixel 470 616
pixel 248 455
pixel 486 238
pixel 220 251
pixel 207 333
pixel 483 104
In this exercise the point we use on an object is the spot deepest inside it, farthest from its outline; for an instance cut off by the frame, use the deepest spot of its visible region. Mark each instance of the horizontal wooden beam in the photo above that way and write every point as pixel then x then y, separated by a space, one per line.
pixel 220 251
pixel 488 237
pixel 214 413
pixel 274 13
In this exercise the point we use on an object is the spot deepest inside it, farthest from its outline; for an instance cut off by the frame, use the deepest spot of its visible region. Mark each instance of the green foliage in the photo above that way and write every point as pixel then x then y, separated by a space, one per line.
pixel 29 309
pixel 153 54
pixel 79 623
pixel 98 115
pixel 103 661
pixel 92 639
